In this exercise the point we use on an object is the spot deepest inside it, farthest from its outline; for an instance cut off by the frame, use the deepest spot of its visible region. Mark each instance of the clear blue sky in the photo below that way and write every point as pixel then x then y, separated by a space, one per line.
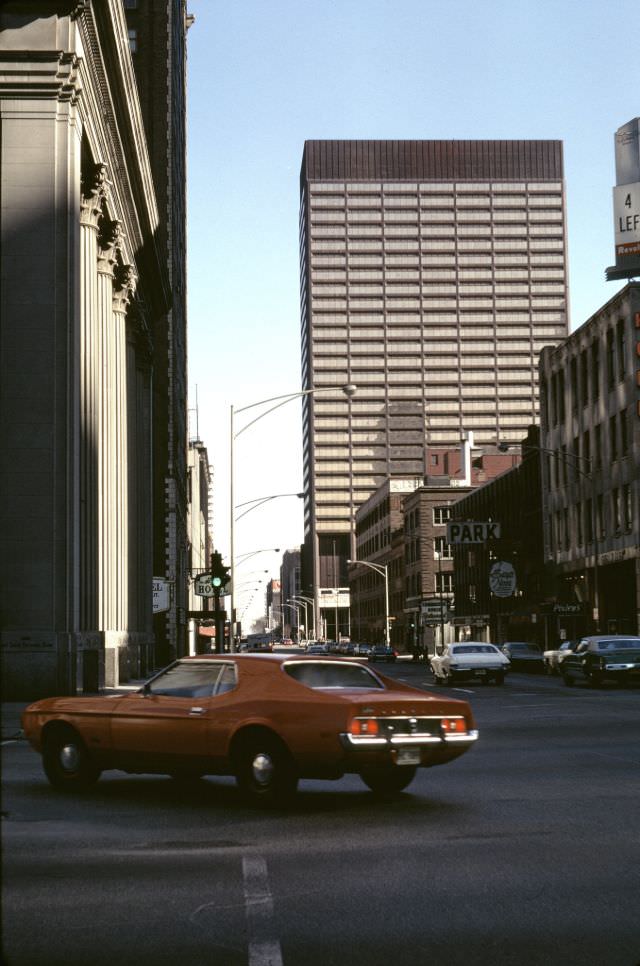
pixel 266 75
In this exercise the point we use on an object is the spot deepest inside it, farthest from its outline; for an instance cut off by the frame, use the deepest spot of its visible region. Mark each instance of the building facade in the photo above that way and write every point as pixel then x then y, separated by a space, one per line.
pixel 293 625
pixel 522 607
pixel 200 543
pixel 84 287
pixel 157 31
pixel 590 435
pixel 432 273
pixel 403 527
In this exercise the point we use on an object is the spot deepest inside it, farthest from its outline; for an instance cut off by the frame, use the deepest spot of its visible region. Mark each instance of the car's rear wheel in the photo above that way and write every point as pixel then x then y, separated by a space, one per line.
pixel 388 779
pixel 265 771
pixel 66 761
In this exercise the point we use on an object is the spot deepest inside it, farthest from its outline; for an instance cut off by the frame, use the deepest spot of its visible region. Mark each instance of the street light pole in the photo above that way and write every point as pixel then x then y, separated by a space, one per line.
pixel 349 390
pixel 295 608
pixel 307 600
pixel 302 604
pixel 383 570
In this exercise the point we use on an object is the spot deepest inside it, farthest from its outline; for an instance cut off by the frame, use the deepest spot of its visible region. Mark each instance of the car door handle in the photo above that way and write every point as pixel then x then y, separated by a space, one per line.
pixel 197 710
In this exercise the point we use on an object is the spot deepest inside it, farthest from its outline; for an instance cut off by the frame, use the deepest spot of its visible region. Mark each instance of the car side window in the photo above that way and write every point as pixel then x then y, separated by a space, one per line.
pixel 186 680
pixel 227 680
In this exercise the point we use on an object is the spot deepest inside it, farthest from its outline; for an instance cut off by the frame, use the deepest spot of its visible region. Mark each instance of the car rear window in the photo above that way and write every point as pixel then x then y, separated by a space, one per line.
pixel 326 674
pixel 474 649
pixel 623 644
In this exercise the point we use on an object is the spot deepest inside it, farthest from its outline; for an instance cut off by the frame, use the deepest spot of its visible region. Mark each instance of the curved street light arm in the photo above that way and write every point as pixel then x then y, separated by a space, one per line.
pixel 383 570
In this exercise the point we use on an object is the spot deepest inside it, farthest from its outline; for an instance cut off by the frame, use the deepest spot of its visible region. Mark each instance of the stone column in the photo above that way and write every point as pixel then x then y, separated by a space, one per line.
pixel 94 185
pixel 108 506
pixel 125 281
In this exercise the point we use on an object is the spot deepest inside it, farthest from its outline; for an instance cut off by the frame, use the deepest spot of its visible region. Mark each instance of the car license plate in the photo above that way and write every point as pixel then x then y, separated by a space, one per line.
pixel 408 756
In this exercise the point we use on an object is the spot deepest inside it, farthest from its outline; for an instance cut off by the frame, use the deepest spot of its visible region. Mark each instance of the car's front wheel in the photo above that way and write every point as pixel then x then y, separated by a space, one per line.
pixel 66 761
pixel 499 677
pixel 265 771
pixel 388 779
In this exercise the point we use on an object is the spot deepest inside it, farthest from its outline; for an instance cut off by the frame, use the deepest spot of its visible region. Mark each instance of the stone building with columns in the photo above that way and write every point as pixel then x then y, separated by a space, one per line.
pixel 84 288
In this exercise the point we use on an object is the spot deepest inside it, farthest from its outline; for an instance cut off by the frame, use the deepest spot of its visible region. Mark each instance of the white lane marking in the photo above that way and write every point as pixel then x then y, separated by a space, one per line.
pixel 264 949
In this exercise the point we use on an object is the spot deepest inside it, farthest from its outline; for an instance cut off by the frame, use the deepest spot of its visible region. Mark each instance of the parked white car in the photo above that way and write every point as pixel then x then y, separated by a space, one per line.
pixel 469 660
pixel 554 657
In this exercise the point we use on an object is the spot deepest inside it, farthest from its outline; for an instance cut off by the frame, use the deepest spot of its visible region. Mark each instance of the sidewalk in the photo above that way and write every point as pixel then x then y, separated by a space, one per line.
pixel 11 710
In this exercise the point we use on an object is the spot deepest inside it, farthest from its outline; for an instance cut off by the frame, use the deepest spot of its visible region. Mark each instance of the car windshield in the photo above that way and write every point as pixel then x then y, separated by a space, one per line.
pixel 474 649
pixel 326 674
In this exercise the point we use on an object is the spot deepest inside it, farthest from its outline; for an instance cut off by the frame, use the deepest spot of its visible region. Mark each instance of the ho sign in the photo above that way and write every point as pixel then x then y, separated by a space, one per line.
pixel 466 531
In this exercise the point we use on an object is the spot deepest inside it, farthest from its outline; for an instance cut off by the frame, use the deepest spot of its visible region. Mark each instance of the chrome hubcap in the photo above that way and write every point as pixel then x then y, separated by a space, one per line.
pixel 262 768
pixel 69 757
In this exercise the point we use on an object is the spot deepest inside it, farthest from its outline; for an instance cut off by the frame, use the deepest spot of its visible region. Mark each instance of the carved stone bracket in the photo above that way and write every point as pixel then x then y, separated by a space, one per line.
pixel 138 331
pixel 93 193
pixel 125 280
pixel 110 239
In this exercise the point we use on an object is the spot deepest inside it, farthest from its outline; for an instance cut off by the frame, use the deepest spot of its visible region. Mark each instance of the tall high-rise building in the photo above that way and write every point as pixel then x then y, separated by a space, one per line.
pixel 432 274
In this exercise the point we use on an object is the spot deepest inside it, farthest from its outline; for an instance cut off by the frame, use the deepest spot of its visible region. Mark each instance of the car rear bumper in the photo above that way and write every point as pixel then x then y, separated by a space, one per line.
pixel 363 751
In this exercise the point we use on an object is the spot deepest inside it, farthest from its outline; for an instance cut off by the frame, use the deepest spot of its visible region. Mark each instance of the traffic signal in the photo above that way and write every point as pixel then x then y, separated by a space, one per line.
pixel 220 574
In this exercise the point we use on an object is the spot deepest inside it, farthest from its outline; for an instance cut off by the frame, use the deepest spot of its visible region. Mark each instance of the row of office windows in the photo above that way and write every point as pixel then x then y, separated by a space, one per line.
pixel 435 197
pixel 435 275
pixel 371 239
pixel 323 288
pixel 467 303
pixel 463 262
pixel 446 218
pixel 357 338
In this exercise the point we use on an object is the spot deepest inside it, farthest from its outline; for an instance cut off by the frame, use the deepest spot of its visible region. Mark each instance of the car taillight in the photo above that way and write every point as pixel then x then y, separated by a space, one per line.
pixel 364 726
pixel 454 725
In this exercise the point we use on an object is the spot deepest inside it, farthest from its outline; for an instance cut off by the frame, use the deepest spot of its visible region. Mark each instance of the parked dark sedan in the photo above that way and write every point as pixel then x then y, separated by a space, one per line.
pixel 523 656
pixel 382 652
pixel 605 657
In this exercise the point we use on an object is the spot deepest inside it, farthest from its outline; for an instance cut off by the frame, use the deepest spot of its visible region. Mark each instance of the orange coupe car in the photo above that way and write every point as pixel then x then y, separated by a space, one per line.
pixel 269 720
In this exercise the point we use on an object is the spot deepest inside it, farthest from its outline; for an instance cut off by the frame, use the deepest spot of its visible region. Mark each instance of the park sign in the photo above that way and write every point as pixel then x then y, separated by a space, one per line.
pixel 468 531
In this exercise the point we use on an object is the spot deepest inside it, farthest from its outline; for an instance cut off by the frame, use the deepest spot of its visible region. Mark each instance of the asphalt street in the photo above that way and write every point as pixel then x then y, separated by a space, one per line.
pixel 525 851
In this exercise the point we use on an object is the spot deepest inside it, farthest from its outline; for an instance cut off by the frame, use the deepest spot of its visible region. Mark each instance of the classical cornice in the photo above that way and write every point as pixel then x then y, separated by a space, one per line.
pixel 37 74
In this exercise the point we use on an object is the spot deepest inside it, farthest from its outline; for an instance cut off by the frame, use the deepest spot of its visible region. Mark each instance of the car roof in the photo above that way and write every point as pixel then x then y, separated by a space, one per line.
pixel 611 637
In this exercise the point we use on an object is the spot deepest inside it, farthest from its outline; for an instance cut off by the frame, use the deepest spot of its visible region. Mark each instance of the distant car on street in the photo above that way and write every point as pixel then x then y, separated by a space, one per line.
pixel 362 650
pixel 382 652
pixel 469 660
pixel 523 656
pixel 317 649
pixel 554 657
pixel 605 657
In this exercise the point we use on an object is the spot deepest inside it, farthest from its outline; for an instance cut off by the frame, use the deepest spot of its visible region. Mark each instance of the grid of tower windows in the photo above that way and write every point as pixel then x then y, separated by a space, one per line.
pixel 435 299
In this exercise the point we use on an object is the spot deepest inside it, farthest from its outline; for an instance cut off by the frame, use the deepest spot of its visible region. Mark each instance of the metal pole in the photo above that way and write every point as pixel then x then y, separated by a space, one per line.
pixel 232 642
pixel 441 600
pixel 386 605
